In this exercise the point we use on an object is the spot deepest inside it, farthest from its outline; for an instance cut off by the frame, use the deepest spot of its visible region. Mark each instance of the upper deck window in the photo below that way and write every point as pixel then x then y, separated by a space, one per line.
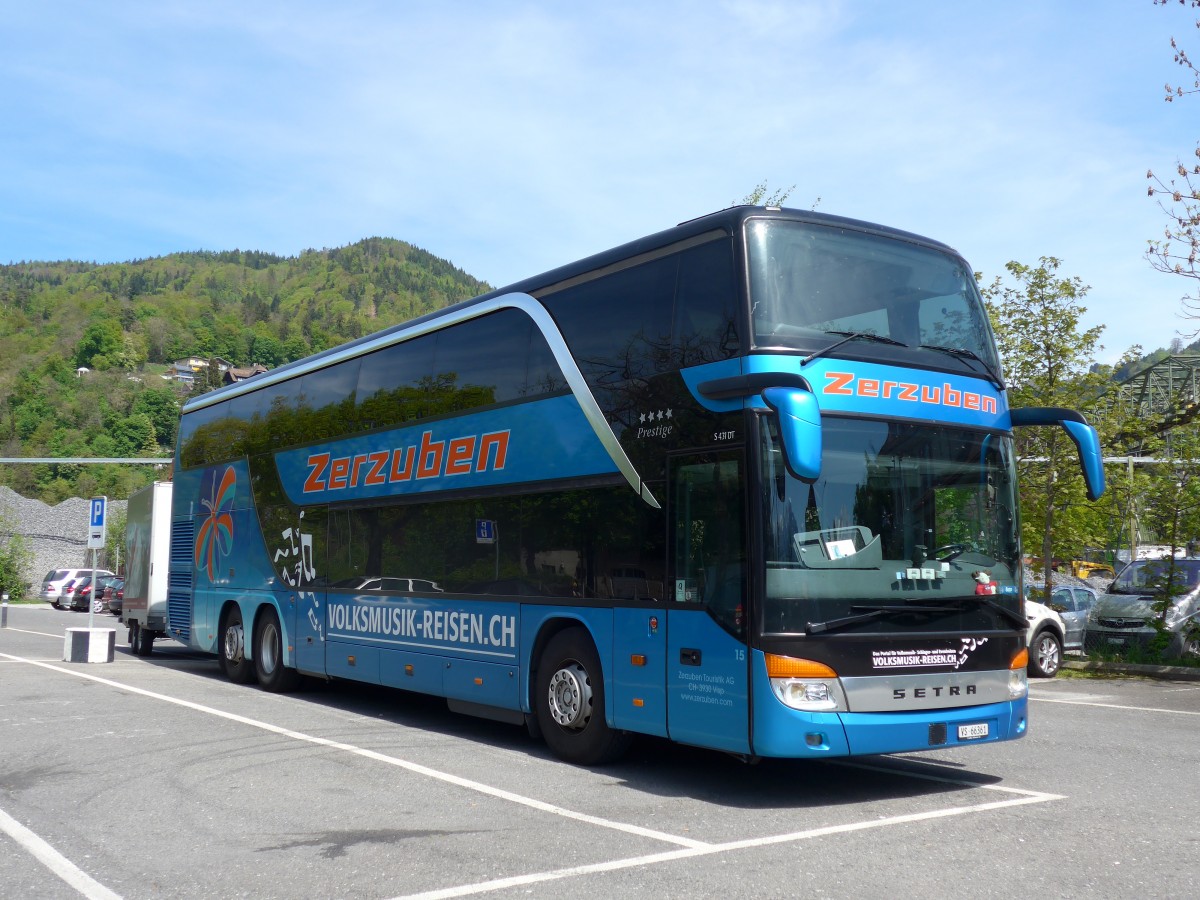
pixel 809 280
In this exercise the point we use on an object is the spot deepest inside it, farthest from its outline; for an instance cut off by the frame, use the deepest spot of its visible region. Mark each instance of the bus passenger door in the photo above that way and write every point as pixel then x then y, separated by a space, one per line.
pixel 707 674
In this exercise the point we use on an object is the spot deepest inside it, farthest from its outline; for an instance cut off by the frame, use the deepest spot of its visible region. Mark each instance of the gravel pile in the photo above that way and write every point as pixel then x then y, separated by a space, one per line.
pixel 55 536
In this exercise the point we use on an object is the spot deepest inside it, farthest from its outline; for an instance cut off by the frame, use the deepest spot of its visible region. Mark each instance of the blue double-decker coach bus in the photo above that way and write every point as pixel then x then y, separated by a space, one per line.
pixel 747 484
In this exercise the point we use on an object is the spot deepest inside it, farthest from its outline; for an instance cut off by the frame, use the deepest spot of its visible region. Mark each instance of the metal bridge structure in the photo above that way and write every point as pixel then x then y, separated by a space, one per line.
pixel 1166 394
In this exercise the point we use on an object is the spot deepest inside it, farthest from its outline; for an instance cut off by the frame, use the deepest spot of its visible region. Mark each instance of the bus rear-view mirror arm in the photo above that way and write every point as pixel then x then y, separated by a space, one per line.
pixel 799 429
pixel 790 397
pixel 1087 442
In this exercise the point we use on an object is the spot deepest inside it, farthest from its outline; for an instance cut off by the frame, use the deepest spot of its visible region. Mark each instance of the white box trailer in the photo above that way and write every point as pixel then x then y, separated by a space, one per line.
pixel 147 553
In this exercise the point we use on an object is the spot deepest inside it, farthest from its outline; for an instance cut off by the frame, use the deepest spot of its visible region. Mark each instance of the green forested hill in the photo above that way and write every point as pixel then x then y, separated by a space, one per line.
pixel 128 322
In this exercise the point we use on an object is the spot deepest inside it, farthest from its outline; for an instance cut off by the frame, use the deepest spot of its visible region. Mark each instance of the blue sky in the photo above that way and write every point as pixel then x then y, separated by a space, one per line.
pixel 512 137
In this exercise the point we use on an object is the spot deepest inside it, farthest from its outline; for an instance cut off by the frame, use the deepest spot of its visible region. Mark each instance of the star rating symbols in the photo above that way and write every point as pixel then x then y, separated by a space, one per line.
pixel 656 416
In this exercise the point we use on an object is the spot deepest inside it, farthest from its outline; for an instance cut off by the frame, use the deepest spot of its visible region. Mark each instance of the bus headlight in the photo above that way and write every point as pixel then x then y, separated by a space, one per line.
pixel 1018 675
pixel 805 685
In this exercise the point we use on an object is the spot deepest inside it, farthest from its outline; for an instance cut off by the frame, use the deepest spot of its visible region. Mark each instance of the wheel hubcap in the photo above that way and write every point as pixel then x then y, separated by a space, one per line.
pixel 1048 655
pixel 571 697
pixel 234 642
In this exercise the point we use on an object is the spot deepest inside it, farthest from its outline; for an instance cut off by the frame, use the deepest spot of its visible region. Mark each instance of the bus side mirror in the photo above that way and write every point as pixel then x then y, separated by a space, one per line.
pixel 1087 442
pixel 799 429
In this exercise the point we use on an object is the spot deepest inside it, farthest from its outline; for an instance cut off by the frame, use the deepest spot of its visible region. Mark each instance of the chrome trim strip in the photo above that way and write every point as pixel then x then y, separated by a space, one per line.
pixel 545 324
pixel 939 690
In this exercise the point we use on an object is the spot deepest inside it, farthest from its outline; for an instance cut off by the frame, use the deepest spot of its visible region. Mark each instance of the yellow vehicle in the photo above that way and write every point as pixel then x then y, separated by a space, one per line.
pixel 1084 569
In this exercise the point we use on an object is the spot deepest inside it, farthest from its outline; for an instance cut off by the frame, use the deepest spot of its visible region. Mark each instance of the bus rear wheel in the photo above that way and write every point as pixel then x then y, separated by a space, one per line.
pixel 570 702
pixel 231 648
pixel 273 675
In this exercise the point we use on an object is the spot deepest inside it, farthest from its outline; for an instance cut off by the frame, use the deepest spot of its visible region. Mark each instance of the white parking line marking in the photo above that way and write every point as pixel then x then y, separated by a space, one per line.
pixel 1178 712
pixel 498 884
pixel 416 768
pixel 38 633
pixel 54 861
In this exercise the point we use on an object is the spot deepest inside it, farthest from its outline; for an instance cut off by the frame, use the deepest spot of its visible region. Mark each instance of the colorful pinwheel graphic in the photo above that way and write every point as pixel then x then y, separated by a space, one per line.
pixel 215 539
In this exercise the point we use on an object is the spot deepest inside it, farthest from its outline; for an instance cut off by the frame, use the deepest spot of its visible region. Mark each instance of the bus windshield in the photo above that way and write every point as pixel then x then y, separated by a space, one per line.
pixel 809 281
pixel 902 513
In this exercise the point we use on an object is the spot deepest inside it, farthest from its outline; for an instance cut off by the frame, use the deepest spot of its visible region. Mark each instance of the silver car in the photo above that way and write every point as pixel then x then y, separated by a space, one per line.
pixel 57 579
pixel 1122 617
pixel 1073 603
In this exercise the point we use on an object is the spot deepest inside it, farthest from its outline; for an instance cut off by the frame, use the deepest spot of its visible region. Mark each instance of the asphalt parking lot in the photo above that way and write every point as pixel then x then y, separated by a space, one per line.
pixel 156 778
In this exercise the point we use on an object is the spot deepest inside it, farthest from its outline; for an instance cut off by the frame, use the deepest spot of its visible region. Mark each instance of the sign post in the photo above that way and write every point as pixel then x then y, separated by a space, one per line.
pixel 97 530
pixel 92 644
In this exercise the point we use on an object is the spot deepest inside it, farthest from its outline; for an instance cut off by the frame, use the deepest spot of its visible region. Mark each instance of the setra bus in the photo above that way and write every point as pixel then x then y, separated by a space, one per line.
pixel 746 484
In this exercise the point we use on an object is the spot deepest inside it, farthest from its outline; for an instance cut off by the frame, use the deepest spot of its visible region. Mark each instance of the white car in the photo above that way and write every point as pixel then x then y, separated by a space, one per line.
pixel 56 579
pixel 1044 638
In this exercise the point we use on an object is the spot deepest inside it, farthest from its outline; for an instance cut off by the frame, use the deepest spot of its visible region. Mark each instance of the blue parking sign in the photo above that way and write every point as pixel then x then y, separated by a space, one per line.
pixel 97 515
pixel 485 531
pixel 99 507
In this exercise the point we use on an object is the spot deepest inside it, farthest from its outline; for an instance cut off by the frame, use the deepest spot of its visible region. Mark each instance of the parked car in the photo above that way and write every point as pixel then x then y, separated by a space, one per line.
pixel 1122 616
pixel 114 596
pixel 78 593
pixel 1045 638
pixel 1073 603
pixel 57 579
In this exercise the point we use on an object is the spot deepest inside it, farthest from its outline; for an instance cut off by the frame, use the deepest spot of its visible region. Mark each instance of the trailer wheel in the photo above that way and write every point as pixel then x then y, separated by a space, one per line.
pixel 145 641
pixel 135 638
pixel 231 648
pixel 273 675
pixel 570 702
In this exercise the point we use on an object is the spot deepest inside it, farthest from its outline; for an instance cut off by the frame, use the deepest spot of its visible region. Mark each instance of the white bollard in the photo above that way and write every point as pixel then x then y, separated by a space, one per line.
pixel 90 645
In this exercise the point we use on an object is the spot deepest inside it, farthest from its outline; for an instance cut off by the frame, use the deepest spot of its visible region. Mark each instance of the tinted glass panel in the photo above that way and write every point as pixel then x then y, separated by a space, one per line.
pixel 326 401
pixel 482 361
pixel 391 383
pixel 204 436
pixel 602 543
pixel 706 305
pixel 619 327
pixel 808 281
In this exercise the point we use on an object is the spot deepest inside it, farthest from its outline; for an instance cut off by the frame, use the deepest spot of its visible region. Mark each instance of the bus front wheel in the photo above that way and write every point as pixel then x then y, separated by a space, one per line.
pixel 273 675
pixel 570 702
pixel 231 648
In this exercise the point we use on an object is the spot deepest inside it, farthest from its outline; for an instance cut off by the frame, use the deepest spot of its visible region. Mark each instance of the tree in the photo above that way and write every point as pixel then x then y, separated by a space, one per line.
pixel 14 556
pixel 1173 504
pixel 759 196
pixel 161 406
pixel 100 339
pixel 1047 360
pixel 1178 252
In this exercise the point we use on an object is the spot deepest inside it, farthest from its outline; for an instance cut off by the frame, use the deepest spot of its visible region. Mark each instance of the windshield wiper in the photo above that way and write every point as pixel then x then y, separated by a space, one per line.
pixel 849 336
pixel 872 612
pixel 1003 611
pixel 964 353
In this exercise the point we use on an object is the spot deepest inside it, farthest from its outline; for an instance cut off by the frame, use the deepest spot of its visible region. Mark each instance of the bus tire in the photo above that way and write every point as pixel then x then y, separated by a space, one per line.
pixel 570 702
pixel 272 674
pixel 1045 654
pixel 231 648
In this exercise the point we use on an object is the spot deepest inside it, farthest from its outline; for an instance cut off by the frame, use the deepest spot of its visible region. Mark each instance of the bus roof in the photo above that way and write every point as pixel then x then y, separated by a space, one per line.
pixel 729 220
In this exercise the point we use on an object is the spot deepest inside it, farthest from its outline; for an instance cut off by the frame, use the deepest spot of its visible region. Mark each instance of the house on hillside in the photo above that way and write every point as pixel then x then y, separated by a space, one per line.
pixel 188 369
pixel 240 373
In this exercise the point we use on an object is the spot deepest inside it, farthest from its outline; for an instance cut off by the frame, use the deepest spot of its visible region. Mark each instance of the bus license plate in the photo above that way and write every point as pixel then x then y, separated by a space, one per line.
pixel 973 732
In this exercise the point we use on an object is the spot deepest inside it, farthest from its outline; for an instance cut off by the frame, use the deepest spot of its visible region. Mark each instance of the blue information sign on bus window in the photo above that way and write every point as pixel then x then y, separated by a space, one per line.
pixel 485 531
